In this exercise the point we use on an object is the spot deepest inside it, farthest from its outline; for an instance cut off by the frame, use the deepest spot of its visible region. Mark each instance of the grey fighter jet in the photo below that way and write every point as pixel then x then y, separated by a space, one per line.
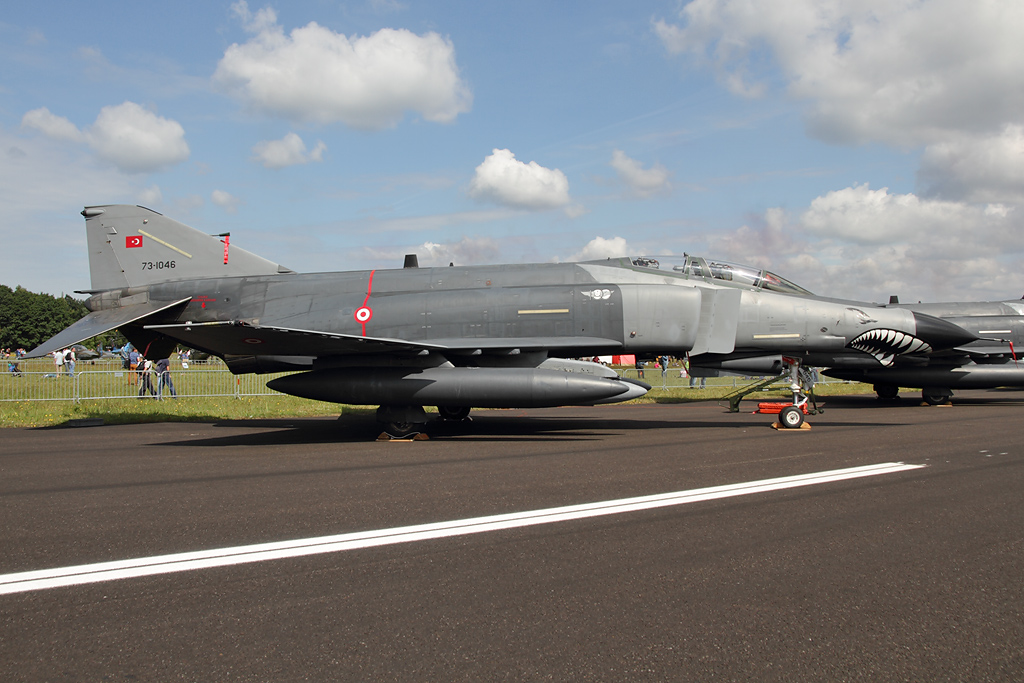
pixel 500 336
pixel 990 361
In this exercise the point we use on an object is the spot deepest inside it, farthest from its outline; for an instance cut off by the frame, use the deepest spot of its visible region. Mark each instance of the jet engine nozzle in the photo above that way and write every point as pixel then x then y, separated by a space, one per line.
pixel 941 334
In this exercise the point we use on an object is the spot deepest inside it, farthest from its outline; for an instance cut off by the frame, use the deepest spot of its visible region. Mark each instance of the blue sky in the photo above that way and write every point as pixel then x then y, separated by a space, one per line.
pixel 861 149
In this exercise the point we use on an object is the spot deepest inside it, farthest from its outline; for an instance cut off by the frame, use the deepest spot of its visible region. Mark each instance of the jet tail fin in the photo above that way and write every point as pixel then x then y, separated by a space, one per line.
pixel 132 246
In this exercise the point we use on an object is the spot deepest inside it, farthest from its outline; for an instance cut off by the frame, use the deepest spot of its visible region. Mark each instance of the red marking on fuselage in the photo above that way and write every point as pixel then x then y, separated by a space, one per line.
pixel 364 313
pixel 202 300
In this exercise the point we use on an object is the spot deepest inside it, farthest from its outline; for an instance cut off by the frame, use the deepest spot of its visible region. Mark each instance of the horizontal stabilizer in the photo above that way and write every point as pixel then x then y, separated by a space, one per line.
pixel 99 322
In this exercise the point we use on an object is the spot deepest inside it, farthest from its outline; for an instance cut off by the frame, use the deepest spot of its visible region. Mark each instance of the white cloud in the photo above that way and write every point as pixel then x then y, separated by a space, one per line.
pixel 862 215
pixel 643 182
pixel 599 248
pixel 225 200
pixel 467 251
pixel 127 135
pixel 899 71
pixel 367 82
pixel 51 125
pixel 288 151
pixel 151 196
pixel 503 179
pixel 136 140
pixel 44 184
pixel 976 168
pixel 867 244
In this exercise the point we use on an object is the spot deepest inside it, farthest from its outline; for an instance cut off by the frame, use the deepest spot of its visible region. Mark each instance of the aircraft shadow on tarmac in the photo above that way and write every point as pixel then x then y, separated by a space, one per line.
pixel 363 429
pixel 490 426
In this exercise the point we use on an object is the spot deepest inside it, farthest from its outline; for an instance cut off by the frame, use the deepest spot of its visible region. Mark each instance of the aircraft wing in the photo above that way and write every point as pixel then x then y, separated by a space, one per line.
pixel 99 322
pixel 242 339
pixel 986 350
pixel 237 338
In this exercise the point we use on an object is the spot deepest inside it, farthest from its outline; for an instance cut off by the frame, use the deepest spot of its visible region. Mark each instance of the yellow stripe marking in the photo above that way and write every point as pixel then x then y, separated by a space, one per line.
pixel 169 246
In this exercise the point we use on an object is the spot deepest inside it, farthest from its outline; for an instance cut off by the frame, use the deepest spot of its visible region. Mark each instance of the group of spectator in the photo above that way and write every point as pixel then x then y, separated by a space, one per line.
pixel 64 361
pixel 143 370
pixel 662 363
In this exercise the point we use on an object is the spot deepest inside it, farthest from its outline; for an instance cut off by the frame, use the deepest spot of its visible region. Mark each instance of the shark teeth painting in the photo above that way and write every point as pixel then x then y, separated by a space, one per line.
pixel 885 345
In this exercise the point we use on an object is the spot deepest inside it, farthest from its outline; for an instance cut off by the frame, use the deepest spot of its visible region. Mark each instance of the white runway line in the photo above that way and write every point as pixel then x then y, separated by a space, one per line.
pixel 223 557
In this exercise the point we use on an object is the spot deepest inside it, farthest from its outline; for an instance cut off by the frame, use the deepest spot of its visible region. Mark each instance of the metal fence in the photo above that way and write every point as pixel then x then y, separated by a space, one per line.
pixel 108 379
pixel 39 380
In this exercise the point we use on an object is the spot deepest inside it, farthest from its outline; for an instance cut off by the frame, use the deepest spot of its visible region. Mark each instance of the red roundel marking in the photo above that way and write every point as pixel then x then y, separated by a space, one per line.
pixel 363 314
pixel 253 340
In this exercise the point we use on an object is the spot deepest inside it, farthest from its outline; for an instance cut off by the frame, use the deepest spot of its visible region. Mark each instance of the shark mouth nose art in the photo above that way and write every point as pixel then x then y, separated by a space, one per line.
pixel 885 345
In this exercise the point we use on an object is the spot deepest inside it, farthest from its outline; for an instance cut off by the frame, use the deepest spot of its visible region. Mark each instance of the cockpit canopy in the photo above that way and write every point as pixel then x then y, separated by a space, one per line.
pixel 744 276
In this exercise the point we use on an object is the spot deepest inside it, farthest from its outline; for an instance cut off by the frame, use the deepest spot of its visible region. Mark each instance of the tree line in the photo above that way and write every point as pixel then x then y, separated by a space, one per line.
pixel 27 319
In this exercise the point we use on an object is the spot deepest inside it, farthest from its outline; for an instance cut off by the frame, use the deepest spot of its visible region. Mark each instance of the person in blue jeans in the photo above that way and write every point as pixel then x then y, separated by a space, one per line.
pixel 163 372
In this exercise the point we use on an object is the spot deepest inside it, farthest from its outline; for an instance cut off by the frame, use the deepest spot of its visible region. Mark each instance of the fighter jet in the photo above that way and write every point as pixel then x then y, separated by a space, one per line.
pixel 989 362
pixel 497 336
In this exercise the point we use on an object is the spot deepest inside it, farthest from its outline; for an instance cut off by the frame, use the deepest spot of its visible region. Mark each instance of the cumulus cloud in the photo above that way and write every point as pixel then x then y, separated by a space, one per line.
pixel 225 200
pixel 288 151
pixel 52 126
pixel 127 135
pixel 600 247
pixel 135 139
pixel 367 82
pixel 44 184
pixel 642 182
pixel 899 71
pixel 505 180
pixel 467 251
pixel 867 244
pixel 976 168
pixel 946 76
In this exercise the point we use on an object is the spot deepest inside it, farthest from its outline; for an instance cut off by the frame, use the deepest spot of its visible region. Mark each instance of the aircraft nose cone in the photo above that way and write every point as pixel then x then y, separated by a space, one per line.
pixel 941 334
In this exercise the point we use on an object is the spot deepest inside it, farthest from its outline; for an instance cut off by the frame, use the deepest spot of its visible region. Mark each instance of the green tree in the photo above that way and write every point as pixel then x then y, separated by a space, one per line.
pixel 27 319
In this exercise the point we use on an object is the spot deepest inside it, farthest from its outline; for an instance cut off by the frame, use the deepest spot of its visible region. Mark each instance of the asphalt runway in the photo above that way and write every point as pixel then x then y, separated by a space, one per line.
pixel 912 574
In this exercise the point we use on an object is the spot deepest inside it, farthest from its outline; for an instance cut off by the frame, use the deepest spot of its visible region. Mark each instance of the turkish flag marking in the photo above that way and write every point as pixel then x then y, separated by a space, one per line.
pixel 132 241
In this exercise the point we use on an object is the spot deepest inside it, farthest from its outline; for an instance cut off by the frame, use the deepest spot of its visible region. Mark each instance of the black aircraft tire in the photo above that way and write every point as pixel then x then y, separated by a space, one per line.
pixel 888 392
pixel 399 429
pixel 791 417
pixel 935 397
pixel 453 413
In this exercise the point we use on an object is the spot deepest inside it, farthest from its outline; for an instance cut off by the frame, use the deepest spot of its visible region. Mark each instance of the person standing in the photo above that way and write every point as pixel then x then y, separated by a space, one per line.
pixel 133 365
pixel 145 372
pixel 69 361
pixel 163 372
pixel 58 361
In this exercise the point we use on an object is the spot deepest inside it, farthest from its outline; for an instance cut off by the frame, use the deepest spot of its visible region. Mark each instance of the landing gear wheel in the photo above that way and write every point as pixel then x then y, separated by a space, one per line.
pixel 399 429
pixel 791 417
pixel 453 413
pixel 935 397
pixel 887 392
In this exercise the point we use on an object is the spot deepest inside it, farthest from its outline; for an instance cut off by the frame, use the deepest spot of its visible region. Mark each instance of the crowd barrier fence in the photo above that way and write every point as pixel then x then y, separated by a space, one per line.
pixel 39 380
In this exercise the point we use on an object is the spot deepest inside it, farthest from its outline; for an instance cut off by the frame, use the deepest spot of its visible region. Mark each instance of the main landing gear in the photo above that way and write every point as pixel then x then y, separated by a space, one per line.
pixel 401 422
pixel 933 396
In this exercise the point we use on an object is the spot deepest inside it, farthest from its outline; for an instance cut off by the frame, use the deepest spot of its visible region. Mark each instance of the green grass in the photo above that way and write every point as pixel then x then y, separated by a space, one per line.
pixel 212 409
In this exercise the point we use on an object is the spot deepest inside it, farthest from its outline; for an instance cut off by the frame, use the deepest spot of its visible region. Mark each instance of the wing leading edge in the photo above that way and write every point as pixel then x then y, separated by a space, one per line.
pixel 99 322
